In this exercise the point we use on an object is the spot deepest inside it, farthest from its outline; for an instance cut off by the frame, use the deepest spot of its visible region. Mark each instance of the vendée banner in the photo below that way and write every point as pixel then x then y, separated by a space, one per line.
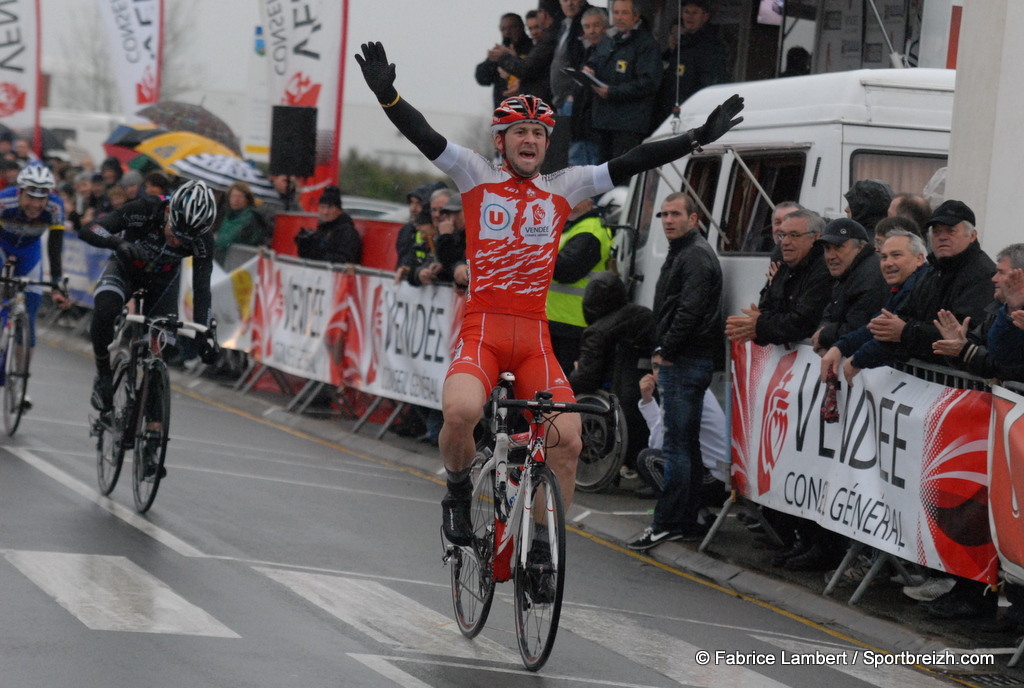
pixel 359 330
pixel 134 33
pixel 905 469
pixel 1006 471
pixel 306 44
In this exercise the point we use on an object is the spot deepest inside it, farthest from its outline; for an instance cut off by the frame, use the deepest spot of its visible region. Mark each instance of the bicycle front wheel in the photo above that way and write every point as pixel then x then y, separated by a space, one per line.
pixel 473 566
pixel 111 427
pixel 539 583
pixel 151 436
pixel 603 447
pixel 16 372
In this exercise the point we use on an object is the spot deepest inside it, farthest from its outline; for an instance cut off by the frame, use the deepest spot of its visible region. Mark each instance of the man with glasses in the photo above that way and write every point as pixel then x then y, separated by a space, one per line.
pixel 795 296
pixel 688 312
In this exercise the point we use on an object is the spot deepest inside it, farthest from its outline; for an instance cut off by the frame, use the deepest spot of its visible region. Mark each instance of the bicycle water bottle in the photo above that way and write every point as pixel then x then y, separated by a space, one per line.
pixel 513 484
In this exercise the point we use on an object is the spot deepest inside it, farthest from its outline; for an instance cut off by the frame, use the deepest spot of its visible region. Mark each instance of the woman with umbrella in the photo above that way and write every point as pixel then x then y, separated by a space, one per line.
pixel 240 223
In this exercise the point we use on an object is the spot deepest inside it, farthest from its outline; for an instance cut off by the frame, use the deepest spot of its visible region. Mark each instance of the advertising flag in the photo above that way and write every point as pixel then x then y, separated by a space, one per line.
pixel 135 42
pixel 19 64
pixel 305 50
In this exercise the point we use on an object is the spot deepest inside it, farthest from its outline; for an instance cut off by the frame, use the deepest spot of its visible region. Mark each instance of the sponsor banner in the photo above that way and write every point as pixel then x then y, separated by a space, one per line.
pixel 83 264
pixel 19 64
pixel 305 52
pixel 362 331
pixel 904 470
pixel 232 296
pixel 402 348
pixel 134 42
pixel 1006 472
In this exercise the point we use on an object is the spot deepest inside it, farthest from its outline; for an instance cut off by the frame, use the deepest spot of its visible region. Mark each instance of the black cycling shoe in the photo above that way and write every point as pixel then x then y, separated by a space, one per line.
pixel 458 522
pixel 540 579
pixel 103 392
pixel 151 459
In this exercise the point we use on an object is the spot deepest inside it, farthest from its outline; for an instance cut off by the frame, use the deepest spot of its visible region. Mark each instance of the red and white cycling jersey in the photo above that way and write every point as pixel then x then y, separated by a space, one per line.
pixel 513 226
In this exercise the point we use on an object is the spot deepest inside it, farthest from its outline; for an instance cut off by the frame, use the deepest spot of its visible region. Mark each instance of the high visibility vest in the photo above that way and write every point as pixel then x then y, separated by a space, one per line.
pixel 565 301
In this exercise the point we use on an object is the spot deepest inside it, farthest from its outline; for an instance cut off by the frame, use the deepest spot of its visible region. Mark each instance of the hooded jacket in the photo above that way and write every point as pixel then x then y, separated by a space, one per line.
pixel 869 201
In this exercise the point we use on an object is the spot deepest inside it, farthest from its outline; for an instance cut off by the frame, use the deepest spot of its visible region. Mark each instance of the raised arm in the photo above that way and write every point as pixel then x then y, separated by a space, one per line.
pixel 380 77
pixel 653 154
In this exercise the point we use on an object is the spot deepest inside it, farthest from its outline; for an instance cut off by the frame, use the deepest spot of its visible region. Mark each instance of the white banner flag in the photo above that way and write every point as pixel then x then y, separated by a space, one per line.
pixel 19 63
pixel 305 44
pixel 134 40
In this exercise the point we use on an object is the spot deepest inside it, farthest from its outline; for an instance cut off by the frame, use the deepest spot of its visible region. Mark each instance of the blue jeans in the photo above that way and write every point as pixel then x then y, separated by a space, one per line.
pixel 682 386
pixel 583 153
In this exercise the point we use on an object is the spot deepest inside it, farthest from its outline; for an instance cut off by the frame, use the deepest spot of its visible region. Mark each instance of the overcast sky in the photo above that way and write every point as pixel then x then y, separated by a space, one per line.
pixel 434 45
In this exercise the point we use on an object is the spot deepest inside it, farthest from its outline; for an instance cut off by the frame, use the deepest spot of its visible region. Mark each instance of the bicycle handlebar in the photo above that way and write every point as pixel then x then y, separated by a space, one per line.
pixel 549 406
pixel 26 282
pixel 185 328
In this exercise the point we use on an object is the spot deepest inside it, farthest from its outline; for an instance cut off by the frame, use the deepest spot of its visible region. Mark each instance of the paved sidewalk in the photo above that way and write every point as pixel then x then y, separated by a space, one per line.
pixel 885 619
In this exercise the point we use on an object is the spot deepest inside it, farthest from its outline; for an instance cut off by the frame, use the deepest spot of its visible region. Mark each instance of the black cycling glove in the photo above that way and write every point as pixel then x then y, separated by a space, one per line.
pixel 130 252
pixel 722 119
pixel 378 73
pixel 207 347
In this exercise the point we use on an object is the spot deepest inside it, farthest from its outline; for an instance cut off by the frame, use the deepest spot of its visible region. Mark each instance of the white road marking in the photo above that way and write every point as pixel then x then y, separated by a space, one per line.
pixel 374 661
pixel 388 617
pixel 127 515
pixel 113 594
pixel 883 677
pixel 657 651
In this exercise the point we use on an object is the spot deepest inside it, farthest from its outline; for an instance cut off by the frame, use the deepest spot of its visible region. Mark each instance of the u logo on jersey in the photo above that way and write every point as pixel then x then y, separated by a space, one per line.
pixel 496 215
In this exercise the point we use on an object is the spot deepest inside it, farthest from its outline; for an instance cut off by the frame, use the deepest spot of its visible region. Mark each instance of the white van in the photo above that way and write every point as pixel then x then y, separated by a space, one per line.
pixel 804 139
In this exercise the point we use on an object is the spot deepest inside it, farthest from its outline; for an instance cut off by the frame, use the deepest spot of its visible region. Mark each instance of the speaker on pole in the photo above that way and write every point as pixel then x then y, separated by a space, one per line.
pixel 293 141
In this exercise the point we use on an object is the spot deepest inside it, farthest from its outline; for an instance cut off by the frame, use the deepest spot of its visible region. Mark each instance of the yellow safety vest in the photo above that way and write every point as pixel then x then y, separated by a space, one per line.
pixel 565 301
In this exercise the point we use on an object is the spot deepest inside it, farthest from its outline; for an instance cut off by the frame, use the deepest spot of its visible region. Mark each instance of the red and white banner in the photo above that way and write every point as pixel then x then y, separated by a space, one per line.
pixel 904 470
pixel 358 330
pixel 306 46
pixel 19 64
pixel 1006 471
pixel 135 43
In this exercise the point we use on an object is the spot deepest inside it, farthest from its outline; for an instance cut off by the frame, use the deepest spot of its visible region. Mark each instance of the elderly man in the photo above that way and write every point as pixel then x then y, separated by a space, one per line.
pixel 583 147
pixel 568 53
pixel 902 260
pixel 795 297
pixel 958 282
pixel 912 206
pixel 859 289
pixel 629 64
pixel 995 348
pixel 687 306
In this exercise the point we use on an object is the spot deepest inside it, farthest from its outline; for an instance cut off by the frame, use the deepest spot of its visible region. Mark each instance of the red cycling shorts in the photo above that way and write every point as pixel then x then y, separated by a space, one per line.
pixel 491 344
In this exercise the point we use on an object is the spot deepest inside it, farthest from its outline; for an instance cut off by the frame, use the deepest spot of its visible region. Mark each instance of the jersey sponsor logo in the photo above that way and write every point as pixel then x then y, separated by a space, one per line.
pixel 496 215
pixel 539 227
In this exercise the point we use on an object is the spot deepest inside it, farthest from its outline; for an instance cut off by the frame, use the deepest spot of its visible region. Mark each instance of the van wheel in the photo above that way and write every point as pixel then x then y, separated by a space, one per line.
pixel 604 444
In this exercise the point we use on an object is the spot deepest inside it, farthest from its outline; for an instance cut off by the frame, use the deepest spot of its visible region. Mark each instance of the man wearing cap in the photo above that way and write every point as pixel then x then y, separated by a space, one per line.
pixel 859 290
pixel 131 182
pixel 959 282
pixel 794 297
pixel 903 261
pixel 451 243
pixel 335 239
pixel 417 199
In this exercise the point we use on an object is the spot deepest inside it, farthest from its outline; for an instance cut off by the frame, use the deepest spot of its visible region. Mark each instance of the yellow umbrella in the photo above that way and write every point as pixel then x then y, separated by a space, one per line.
pixel 167 149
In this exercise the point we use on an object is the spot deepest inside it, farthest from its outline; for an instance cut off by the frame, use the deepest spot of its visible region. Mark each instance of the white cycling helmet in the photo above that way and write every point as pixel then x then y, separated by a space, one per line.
pixel 36 180
pixel 193 210
pixel 612 203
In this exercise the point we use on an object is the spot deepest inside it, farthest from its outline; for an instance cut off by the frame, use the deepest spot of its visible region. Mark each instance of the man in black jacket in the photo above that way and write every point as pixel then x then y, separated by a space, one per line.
pixel 859 290
pixel 959 282
pixel 794 298
pixel 513 36
pixel 336 239
pixel 534 69
pixel 688 309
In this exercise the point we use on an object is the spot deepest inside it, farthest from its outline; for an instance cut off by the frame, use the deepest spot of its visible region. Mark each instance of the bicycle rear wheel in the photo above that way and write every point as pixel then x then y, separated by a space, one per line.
pixel 16 381
pixel 111 427
pixel 473 566
pixel 151 436
pixel 604 447
pixel 539 585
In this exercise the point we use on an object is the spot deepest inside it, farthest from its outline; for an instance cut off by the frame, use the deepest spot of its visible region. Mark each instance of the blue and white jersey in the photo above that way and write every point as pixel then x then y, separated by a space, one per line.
pixel 20 236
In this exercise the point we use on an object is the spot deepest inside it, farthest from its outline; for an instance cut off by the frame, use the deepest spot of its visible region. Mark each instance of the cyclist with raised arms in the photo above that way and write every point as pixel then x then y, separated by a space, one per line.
pixel 150 236
pixel 514 217
pixel 24 217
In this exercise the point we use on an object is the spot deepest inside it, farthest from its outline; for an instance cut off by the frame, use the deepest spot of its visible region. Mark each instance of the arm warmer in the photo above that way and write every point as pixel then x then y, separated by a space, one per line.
pixel 649 155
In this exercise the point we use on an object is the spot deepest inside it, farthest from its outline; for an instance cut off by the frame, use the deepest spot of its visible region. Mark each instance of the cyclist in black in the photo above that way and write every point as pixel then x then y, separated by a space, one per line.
pixel 150 236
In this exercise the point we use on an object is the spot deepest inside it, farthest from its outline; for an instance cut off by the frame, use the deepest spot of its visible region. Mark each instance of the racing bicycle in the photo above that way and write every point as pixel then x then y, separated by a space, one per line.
pixel 518 525
pixel 15 343
pixel 140 415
